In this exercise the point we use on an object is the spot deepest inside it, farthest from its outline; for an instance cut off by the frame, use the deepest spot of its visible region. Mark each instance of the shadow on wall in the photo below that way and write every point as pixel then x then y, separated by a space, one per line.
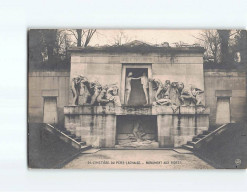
pixel 46 150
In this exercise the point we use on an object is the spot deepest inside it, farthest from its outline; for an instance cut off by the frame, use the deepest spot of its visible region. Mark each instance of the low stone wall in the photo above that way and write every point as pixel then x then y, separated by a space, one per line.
pixel 97 124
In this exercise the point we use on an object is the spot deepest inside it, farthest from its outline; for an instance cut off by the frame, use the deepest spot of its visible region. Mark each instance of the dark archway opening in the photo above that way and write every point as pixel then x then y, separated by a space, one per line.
pixel 137 96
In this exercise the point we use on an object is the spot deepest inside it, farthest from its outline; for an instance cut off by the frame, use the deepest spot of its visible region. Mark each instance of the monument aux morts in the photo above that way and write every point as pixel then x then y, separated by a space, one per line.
pixel 136 96
pixel 136 93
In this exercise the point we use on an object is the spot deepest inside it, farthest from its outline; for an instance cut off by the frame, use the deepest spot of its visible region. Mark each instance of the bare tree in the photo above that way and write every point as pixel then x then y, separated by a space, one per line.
pixel 82 36
pixel 121 38
pixel 211 41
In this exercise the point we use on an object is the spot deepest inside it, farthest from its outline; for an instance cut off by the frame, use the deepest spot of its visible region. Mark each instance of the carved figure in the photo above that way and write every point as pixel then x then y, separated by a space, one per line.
pixel 76 87
pixel 136 132
pixel 167 87
pixel 174 94
pixel 102 99
pixel 112 96
pixel 96 91
pixel 144 82
pixel 180 87
pixel 157 86
pixel 191 95
pixel 128 86
pixel 186 96
pixel 197 93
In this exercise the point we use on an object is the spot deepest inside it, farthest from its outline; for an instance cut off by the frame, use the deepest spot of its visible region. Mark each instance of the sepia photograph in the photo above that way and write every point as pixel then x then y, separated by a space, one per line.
pixel 137 99
pixel 120 96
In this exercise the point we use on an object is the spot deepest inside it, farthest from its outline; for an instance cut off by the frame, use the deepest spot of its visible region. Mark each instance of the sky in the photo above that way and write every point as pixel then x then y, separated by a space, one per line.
pixel 154 36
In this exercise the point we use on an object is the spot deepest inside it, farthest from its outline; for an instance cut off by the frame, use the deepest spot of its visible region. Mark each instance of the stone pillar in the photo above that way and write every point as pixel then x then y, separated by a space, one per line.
pixel 202 119
pixel 109 132
pixel 165 131
pixel 96 125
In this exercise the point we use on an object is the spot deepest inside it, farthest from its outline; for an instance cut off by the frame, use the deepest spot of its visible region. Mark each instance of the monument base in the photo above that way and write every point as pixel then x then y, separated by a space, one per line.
pixel 97 125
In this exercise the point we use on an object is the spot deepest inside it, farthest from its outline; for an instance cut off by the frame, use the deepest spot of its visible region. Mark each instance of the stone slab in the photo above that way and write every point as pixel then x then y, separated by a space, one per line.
pixel 132 110
pixel 182 151
pixel 90 151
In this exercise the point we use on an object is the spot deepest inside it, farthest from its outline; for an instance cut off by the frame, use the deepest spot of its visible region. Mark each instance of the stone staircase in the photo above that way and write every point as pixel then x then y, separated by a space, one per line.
pixel 71 136
pixel 204 135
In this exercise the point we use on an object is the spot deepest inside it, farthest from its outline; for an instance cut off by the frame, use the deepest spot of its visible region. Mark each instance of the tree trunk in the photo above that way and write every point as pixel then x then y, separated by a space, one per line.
pixel 224 39
pixel 79 32
pixel 243 46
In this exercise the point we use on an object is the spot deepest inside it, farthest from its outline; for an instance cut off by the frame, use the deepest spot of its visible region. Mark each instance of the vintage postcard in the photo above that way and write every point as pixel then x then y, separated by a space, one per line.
pixel 137 99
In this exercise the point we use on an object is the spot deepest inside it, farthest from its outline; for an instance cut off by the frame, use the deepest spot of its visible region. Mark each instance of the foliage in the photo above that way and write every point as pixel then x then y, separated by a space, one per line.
pixel 82 36
pixel 48 48
pixel 121 38
pixel 222 47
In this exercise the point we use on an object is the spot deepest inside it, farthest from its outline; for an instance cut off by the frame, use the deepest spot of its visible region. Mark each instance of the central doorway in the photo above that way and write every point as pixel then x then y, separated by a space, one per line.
pixel 137 92
pixel 137 96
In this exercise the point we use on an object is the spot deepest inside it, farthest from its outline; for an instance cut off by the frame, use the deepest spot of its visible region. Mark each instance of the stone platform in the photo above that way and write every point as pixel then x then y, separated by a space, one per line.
pixel 97 125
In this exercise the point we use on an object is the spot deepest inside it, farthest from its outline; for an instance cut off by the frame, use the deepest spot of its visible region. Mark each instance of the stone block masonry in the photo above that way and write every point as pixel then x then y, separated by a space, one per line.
pixel 97 125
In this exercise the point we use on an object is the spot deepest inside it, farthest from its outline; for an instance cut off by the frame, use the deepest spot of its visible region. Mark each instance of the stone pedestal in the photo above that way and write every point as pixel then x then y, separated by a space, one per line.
pixel 96 125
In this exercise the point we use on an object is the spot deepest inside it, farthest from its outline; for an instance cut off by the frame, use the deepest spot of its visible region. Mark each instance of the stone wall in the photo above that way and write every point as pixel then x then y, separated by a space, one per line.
pixel 96 125
pixel 42 84
pixel 231 81
pixel 186 67
pixel 215 80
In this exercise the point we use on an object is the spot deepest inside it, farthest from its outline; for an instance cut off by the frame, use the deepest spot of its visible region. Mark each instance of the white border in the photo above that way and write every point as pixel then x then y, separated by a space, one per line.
pixel 17 16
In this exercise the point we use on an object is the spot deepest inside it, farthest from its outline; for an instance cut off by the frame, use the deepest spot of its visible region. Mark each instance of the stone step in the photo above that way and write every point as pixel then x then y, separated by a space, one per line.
pixel 201 136
pixel 82 143
pixel 191 143
pixel 83 148
pixel 72 136
pixel 195 139
pixel 188 147
pixel 67 132
pixel 206 132
pixel 78 139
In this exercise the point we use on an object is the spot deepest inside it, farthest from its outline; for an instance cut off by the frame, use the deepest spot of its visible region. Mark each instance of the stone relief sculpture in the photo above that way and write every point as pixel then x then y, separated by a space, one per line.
pixel 113 95
pixel 162 94
pixel 175 94
pixel 186 96
pixel 95 93
pixel 145 83
pixel 136 132
pixel 128 86
pixel 157 87
pixel 172 94
pixel 102 99
pixel 76 85
pixel 197 93
pixel 96 86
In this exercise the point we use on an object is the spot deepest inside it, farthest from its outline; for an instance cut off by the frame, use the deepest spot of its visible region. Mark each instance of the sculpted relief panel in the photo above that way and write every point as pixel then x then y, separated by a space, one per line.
pixel 93 93
pixel 176 94
pixel 166 93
